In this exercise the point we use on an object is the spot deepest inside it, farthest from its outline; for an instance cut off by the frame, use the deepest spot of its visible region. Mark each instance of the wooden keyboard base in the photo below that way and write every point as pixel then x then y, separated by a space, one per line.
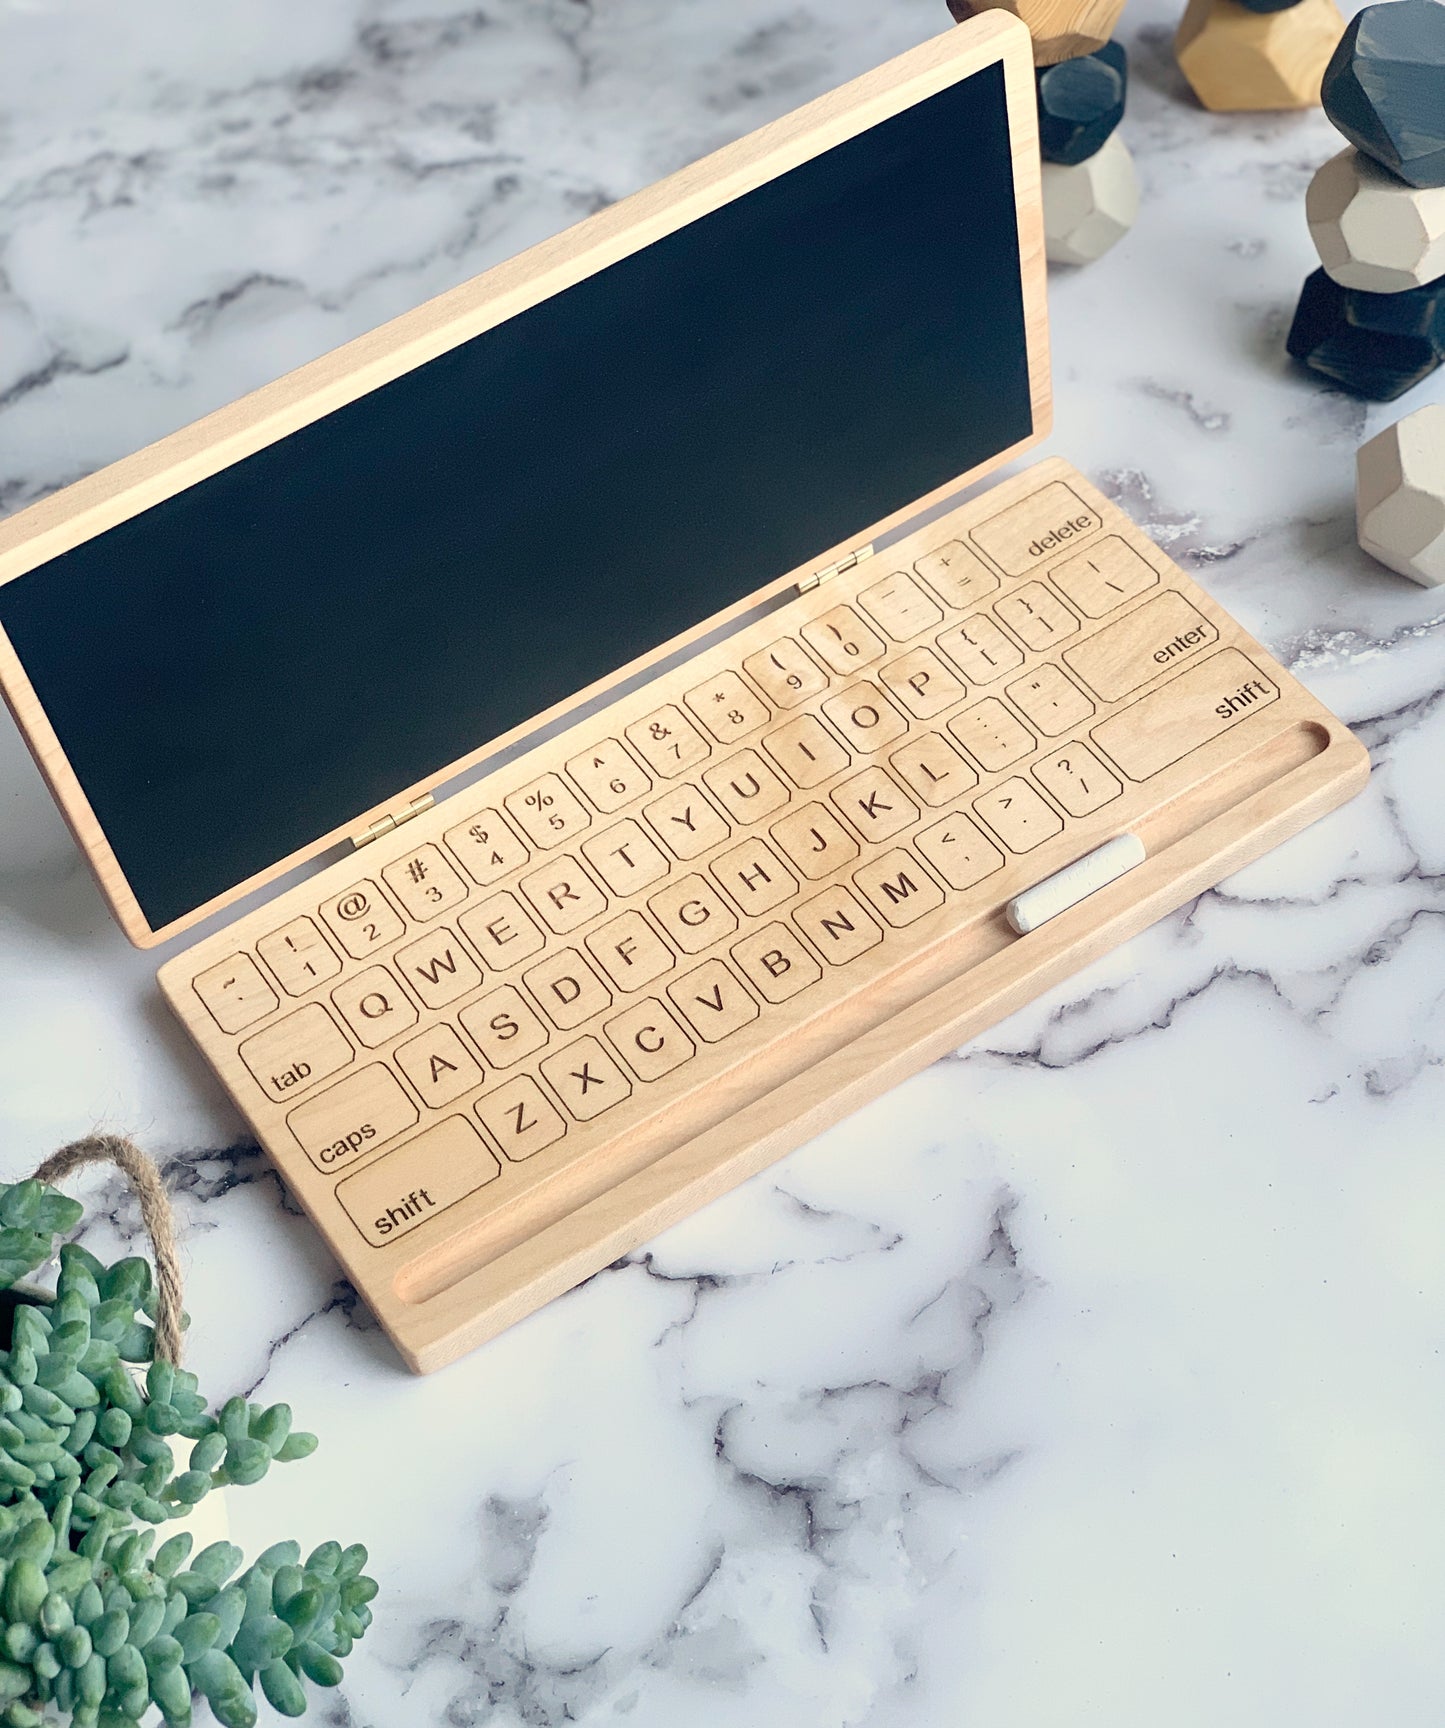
pixel 988 701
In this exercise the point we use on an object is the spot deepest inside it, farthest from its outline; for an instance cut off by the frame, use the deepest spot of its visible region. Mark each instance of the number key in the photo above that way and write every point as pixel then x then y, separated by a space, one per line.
pixel 361 920
pixel 668 741
pixel 843 639
pixel 727 707
pixel 486 847
pixel 609 776
pixel 785 672
pixel 424 883
pixel 547 811
pixel 299 955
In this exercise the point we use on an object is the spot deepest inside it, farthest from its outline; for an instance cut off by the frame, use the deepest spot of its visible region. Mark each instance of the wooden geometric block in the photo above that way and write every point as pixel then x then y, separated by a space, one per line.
pixel 1385 88
pixel 1374 345
pixel 1089 205
pixel 1081 101
pixel 1061 29
pixel 1400 496
pixel 1371 229
pixel 1242 61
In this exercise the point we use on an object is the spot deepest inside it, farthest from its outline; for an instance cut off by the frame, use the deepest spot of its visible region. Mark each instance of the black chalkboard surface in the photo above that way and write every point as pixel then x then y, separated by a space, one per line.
pixel 262 657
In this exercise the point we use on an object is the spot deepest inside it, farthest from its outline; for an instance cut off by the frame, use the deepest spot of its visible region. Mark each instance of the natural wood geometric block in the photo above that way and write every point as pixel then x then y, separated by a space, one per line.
pixel 1081 101
pixel 1374 345
pixel 1400 496
pixel 1242 61
pixel 1089 205
pixel 1372 230
pixel 1385 88
pixel 1061 29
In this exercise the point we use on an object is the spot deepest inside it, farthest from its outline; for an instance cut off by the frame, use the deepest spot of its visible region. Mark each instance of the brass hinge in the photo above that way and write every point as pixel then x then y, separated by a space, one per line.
pixel 819 577
pixel 392 819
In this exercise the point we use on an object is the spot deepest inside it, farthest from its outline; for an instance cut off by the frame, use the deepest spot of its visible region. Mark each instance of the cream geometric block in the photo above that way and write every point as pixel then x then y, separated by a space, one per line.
pixel 1400 496
pixel 1238 61
pixel 1089 205
pixel 1371 230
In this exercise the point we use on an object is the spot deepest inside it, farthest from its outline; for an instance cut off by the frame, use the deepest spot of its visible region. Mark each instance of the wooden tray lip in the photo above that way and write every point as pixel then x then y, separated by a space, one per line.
pixel 136 483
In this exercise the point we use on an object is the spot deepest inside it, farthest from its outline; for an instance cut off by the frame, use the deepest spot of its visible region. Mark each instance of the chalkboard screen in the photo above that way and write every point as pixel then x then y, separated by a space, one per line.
pixel 264 656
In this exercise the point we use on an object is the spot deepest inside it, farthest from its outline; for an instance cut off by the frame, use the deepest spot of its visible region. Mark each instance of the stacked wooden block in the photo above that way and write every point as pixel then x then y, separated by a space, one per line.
pixel 1090 192
pixel 1257 54
pixel 1372 317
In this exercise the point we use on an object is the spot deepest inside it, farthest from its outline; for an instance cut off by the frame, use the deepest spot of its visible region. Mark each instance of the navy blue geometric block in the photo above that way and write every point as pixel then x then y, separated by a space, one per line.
pixel 1374 345
pixel 1385 88
pixel 1081 102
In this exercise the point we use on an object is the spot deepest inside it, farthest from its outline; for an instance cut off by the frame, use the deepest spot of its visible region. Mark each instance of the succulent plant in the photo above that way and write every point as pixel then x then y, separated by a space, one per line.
pixel 94 1625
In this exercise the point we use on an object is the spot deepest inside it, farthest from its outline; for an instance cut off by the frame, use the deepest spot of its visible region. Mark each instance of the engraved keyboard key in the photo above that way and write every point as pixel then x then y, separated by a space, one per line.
pixel 501 932
pixel 922 683
pixel 626 859
pixel 1077 779
pixel 649 1040
pixel 438 968
pixel 520 1118
pixel 235 993
pixel 686 822
pixel 1161 633
pixel 815 840
pixel 504 1025
pixel 374 1006
pixel 992 735
pixel 486 848
pixel 786 673
pixel 296 1052
pixel 865 717
pixel 691 912
pixel 806 751
pixel 900 606
pixel 746 787
pixel 1190 710
pixel 425 883
pixel 564 894
pixel 776 964
pixel 1029 533
pixel 439 1065
pixel 1105 576
pixel 712 1002
pixel 630 951
pixel 843 640
pixel 1036 616
pixel 362 920
pixel 299 955
pixel 933 770
pixel 959 852
pixel 356 1116
pixel 668 741
pixel 568 989
pixel 411 1186
pixel 980 650
pixel 1018 814
pixel 874 805
pixel 837 926
pixel 727 707
pixel 586 1078
pixel 608 775
pixel 958 577
pixel 548 811
pixel 754 878
pixel 1050 701
pixel 898 888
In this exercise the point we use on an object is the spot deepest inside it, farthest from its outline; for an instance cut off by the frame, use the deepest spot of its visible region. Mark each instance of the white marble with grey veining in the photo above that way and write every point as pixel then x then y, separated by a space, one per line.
pixel 1092 1379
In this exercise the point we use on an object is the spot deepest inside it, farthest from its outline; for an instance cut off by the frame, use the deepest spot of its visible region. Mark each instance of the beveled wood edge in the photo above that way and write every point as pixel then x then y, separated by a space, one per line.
pixel 136 483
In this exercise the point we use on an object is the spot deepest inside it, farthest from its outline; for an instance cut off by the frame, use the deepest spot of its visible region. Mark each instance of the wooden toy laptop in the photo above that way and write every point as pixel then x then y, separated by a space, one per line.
pixel 771 815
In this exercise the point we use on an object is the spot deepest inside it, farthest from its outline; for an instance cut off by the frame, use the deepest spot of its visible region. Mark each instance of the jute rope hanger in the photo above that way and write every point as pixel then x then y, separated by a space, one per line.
pixel 156 1215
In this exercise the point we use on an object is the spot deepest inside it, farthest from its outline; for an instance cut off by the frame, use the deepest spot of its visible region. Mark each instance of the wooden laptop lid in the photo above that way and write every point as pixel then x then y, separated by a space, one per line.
pixel 344 528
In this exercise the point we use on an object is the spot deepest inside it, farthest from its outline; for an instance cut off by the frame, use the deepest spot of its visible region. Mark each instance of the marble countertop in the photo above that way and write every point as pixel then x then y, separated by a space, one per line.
pixel 1092 1377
